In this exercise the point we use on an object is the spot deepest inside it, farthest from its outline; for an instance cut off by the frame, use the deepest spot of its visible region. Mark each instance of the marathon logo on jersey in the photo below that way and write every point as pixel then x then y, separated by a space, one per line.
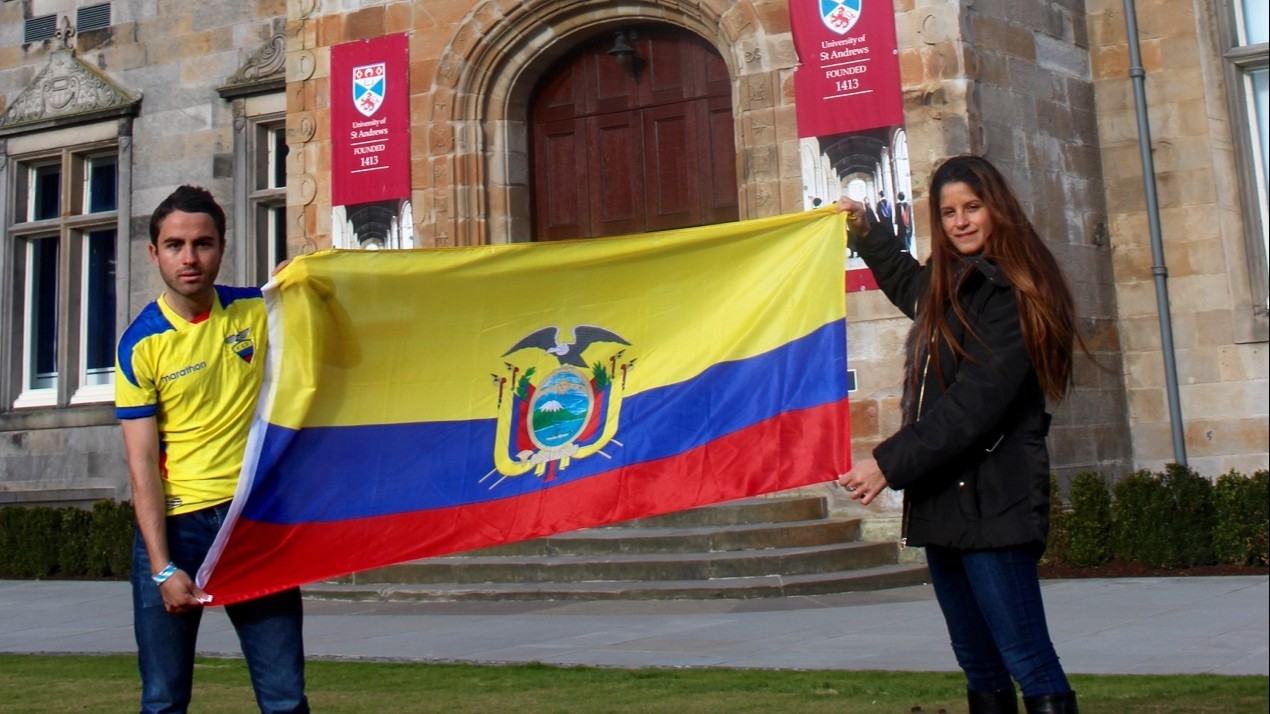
pixel 181 372
pixel 840 15
pixel 240 343
pixel 368 87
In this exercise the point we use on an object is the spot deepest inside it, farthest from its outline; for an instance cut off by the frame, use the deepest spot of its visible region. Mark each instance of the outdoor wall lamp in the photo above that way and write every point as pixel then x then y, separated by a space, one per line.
pixel 625 55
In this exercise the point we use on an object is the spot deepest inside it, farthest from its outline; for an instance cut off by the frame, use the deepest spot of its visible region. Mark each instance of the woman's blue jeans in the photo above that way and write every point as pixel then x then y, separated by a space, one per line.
pixel 270 629
pixel 991 601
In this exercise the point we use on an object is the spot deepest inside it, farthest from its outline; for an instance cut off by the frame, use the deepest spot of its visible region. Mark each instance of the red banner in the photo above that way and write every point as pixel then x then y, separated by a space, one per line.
pixel 370 120
pixel 848 78
pixel 860 279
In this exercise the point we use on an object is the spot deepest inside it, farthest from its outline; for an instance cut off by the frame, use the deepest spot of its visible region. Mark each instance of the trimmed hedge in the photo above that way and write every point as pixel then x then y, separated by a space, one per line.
pixel 39 542
pixel 1242 508
pixel 1174 519
pixel 1060 527
pixel 1089 531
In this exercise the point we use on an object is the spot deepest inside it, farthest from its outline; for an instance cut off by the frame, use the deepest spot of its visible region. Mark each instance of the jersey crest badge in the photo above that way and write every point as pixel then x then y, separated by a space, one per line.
pixel 570 412
pixel 240 344
pixel 368 88
pixel 840 15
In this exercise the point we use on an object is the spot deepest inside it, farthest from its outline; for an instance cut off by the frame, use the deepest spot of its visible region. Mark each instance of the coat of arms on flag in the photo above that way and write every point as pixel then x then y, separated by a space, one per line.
pixel 543 423
pixel 840 15
pixel 368 88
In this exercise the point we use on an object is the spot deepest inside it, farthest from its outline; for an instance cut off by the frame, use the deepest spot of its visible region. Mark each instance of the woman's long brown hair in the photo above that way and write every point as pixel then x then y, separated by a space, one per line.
pixel 1046 309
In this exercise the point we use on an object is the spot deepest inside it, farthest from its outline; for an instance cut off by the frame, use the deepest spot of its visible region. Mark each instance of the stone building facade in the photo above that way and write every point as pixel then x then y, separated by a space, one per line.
pixel 235 96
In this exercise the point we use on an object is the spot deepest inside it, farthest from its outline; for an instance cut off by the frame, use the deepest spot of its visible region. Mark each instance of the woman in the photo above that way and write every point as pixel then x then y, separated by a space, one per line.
pixel 992 338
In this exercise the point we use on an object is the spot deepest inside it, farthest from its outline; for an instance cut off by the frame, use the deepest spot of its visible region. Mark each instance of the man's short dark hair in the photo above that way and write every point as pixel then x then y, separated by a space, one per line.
pixel 188 199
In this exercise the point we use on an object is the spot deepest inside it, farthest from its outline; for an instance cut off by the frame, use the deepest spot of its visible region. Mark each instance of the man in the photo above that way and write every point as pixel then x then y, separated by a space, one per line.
pixel 884 207
pixel 188 372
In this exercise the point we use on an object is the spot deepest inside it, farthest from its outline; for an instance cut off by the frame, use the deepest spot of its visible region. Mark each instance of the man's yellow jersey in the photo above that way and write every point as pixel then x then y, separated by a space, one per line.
pixel 200 381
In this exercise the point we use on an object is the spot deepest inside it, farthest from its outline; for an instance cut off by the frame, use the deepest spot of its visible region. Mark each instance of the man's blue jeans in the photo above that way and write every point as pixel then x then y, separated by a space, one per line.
pixel 270 629
pixel 991 601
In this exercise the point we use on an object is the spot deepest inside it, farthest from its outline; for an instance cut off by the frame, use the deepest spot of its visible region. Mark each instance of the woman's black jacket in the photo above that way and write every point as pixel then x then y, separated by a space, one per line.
pixel 971 458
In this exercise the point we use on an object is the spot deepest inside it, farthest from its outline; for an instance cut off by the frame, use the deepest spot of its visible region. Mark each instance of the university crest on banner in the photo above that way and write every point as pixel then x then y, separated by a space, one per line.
pixel 570 412
pixel 368 88
pixel 840 15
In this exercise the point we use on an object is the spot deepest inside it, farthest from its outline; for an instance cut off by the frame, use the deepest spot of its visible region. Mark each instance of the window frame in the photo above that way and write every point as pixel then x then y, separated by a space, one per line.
pixel 71 229
pixel 1239 61
pixel 259 114
pixel 266 196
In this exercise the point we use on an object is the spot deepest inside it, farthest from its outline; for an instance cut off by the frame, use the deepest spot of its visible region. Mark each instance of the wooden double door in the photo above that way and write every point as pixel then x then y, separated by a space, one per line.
pixel 632 147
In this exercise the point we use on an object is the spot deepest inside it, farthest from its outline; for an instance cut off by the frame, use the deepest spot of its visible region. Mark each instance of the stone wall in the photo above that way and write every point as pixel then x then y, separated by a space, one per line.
pixel 1220 347
pixel 472 69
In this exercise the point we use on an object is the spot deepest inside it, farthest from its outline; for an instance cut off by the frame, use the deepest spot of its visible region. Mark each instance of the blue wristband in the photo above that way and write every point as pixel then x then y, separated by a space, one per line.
pixel 163 575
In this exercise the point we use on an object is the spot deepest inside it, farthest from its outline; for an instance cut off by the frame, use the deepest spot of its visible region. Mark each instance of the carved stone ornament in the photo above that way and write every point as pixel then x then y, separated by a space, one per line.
pixel 266 70
pixel 302 129
pixel 301 66
pixel 64 90
pixel 307 188
pixel 300 9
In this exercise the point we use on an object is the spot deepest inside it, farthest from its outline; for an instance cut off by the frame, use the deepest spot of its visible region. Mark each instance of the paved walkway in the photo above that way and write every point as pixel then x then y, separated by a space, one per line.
pixel 1117 626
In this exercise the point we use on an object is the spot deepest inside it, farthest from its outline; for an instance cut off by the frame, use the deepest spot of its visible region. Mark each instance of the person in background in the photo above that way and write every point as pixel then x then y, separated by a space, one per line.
pixel 884 207
pixel 188 372
pixel 903 219
pixel 992 339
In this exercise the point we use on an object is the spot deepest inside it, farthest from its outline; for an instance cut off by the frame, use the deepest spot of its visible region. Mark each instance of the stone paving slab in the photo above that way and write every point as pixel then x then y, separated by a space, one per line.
pixel 1187 625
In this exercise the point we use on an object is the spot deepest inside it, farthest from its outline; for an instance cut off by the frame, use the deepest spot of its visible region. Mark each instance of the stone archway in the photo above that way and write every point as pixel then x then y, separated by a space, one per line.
pixel 476 133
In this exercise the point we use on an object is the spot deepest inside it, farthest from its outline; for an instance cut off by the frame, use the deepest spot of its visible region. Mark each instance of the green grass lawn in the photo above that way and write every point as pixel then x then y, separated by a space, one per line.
pixel 110 684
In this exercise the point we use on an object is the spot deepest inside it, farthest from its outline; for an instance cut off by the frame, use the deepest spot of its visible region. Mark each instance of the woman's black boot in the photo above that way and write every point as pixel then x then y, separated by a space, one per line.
pixel 1051 704
pixel 1002 701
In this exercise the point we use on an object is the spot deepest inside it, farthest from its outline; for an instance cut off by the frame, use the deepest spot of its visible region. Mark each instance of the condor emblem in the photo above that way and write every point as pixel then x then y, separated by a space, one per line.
pixel 840 15
pixel 571 412
pixel 368 88
pixel 240 343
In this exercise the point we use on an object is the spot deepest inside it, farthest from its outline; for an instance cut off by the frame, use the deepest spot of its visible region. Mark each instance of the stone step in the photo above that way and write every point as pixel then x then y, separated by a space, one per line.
pixel 632 566
pixel 771 509
pixel 682 539
pixel 759 547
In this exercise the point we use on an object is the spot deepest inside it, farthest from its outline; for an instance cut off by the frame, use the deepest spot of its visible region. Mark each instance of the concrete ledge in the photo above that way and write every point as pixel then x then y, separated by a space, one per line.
pixel 55 497
pixel 770 586
pixel 886 528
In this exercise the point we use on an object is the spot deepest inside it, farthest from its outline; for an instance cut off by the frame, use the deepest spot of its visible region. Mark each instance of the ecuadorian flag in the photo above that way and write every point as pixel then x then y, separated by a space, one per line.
pixel 419 403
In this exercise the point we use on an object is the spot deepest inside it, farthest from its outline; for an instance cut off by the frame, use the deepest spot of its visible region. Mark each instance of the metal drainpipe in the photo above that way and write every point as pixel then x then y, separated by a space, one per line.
pixel 1158 268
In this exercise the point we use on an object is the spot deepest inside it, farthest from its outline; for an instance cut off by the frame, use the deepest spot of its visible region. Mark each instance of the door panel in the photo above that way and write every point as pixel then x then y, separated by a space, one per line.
pixel 560 159
pixel 672 166
pixel 613 153
pixel 558 96
pixel 616 191
pixel 719 159
pixel 673 71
